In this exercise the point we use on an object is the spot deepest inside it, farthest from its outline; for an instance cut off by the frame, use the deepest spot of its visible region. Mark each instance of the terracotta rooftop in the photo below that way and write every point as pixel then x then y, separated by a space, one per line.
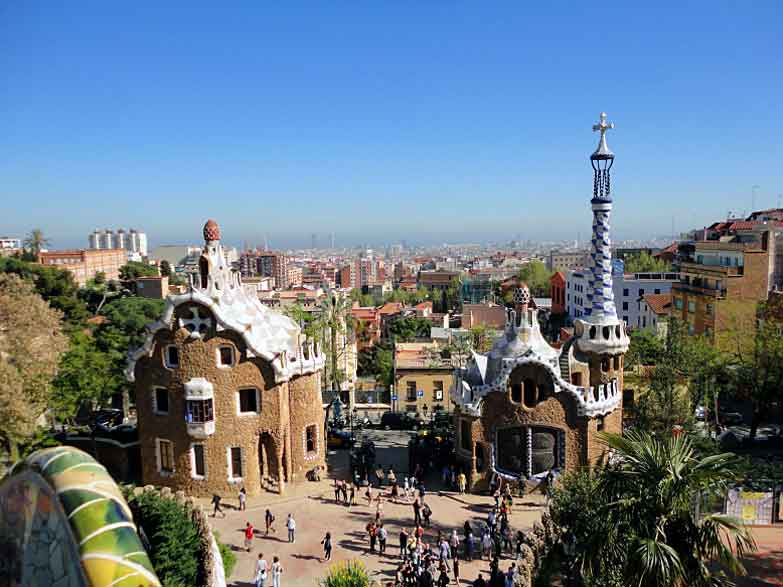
pixel 658 303
pixel 390 308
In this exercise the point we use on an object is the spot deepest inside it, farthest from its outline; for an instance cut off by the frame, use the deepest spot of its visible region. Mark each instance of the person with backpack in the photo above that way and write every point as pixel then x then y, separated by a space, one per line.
pixel 327 542
pixel 261 568
pixel 269 519
pixel 277 572
pixel 216 506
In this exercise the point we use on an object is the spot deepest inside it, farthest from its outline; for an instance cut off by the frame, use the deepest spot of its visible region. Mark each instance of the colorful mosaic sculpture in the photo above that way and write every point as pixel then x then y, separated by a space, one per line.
pixel 59 508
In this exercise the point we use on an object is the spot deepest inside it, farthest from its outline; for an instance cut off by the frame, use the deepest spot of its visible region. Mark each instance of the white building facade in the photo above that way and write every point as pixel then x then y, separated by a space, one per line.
pixel 628 289
pixel 133 241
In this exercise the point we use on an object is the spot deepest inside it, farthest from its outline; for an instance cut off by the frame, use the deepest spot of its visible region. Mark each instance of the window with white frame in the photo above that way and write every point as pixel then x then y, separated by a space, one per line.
pixel 160 401
pixel 225 356
pixel 171 356
pixel 248 401
pixel 235 463
pixel 165 454
pixel 311 438
pixel 198 411
pixel 438 390
pixel 198 462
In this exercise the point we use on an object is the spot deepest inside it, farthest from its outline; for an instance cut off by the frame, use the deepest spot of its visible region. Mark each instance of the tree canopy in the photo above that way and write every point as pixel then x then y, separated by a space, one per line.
pixel 632 522
pixel 133 269
pixel 644 262
pixel 30 347
pixel 536 276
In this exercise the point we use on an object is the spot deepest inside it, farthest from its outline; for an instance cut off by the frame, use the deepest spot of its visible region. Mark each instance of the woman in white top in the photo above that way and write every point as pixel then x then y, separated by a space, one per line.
pixel 277 571
pixel 261 568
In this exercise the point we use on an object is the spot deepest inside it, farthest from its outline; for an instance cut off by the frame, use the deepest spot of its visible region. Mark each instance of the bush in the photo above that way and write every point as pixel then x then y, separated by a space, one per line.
pixel 228 556
pixel 347 574
pixel 175 546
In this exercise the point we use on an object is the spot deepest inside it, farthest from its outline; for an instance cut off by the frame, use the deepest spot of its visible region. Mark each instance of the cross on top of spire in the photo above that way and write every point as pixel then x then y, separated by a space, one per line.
pixel 603 151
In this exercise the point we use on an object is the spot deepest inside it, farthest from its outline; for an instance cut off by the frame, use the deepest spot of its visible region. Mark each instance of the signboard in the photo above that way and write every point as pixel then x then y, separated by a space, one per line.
pixel 394 398
pixel 420 393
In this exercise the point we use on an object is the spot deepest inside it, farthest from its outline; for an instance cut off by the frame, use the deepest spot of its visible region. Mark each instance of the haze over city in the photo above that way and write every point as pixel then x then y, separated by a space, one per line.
pixel 430 122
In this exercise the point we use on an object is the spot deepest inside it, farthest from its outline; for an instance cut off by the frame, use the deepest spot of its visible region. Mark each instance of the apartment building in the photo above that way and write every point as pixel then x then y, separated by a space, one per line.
pixel 84 264
pixel 133 241
pixel 725 277
pixel 567 260
pixel 421 379
pixel 628 290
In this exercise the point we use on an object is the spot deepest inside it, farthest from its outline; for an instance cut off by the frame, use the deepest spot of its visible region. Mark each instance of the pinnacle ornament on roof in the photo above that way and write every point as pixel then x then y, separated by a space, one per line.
pixel 211 231
pixel 602 151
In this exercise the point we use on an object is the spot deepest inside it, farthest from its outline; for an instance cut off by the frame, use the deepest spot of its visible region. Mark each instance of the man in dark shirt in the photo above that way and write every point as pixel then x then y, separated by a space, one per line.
pixel 480 582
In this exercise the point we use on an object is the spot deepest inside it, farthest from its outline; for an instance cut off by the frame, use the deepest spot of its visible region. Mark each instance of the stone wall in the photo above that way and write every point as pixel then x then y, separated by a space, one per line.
pixel 211 562
pixel 270 457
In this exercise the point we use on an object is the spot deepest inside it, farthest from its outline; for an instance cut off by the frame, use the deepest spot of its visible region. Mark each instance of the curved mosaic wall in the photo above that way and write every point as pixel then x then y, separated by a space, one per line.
pixel 64 523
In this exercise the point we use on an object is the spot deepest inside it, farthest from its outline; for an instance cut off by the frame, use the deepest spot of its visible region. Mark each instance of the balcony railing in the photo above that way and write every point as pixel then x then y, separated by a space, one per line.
pixel 729 270
pixel 708 291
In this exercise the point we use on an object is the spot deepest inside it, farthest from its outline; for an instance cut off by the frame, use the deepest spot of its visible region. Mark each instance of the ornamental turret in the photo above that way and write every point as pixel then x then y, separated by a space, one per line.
pixel 600 331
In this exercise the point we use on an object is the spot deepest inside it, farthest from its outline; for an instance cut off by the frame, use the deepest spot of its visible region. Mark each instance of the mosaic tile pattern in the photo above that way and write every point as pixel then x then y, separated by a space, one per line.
pixel 64 523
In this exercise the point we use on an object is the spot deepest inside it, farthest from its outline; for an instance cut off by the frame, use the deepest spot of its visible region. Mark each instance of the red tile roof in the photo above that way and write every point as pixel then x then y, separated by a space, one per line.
pixel 658 303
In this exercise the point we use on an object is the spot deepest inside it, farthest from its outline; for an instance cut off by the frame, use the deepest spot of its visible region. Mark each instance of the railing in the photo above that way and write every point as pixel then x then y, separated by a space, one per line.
pixel 710 291
pixel 693 267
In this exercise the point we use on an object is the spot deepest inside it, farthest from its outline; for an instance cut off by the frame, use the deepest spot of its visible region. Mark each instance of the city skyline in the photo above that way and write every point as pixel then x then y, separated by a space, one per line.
pixel 434 124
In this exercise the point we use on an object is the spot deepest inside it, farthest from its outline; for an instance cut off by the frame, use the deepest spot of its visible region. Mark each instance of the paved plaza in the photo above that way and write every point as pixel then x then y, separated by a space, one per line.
pixel 316 512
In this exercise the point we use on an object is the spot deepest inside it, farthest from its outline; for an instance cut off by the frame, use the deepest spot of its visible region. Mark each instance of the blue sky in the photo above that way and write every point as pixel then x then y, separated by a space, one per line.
pixel 426 121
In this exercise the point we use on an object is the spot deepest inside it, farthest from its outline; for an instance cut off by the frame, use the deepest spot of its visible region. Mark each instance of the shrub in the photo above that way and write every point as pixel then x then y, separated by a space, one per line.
pixel 228 556
pixel 175 547
pixel 347 574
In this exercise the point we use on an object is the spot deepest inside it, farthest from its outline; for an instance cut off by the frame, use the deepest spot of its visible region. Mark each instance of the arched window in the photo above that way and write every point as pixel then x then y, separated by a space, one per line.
pixel 530 393
pixel 516 392
pixel 203 269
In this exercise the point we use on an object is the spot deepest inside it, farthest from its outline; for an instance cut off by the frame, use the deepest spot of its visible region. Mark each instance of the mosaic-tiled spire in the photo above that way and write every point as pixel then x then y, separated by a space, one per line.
pixel 601 308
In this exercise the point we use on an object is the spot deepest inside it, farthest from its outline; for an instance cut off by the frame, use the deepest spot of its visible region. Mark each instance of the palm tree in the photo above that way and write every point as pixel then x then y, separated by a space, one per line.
pixel 35 242
pixel 336 322
pixel 649 496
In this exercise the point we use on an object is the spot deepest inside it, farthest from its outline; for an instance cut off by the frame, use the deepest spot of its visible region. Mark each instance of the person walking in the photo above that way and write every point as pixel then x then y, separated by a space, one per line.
pixel 249 530
pixel 327 542
pixel 242 499
pixel 417 512
pixel 261 569
pixel 443 578
pixel 456 569
pixel 406 488
pixel 469 547
pixel 336 491
pixel 269 519
pixel 372 534
pixel 383 534
pixel 454 542
pixel 403 544
pixel 277 572
pixel 352 497
pixel 486 544
pixel 291 525
pixel 427 513
pixel 462 482
pixel 216 506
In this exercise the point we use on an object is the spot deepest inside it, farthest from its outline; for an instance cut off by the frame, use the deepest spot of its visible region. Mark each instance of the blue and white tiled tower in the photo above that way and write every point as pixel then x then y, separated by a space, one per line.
pixel 600 330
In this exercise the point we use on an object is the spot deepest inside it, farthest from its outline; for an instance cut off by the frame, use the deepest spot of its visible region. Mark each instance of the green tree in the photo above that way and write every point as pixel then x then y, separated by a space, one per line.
pixel 124 330
pixel 134 269
pixel 337 324
pixel 85 375
pixel 646 348
pixel 408 329
pixel 536 276
pixel 98 291
pixel 756 360
pixel 56 286
pixel 646 263
pixel 35 242
pixel 666 401
pixel 165 268
pixel 30 347
pixel 636 519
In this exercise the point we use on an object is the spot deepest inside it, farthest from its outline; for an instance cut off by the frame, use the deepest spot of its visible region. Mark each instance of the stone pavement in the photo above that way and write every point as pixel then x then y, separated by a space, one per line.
pixel 315 512
pixel 765 567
